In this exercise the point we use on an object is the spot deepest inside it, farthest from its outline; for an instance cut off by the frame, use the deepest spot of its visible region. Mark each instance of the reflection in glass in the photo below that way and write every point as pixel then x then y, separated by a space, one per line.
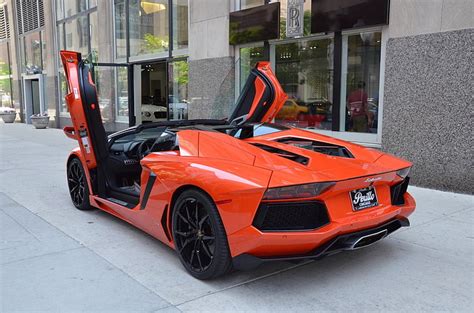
pixel 362 87
pixel 32 44
pixel 94 33
pixel 43 47
pixel 305 71
pixel 153 92
pixel 178 90
pixel 62 90
pixel 180 24
pixel 5 77
pixel 246 4
pixel 148 24
pixel 248 58
pixel 104 82
pixel 120 29
pixel 59 9
pixel 77 35
pixel 72 7
pixel 122 92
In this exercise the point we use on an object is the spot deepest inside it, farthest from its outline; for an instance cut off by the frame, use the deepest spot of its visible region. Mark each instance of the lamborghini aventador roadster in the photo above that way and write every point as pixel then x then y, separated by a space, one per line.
pixel 238 192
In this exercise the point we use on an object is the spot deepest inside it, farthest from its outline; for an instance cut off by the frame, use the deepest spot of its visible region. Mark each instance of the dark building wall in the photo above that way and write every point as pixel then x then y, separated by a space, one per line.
pixel 429 107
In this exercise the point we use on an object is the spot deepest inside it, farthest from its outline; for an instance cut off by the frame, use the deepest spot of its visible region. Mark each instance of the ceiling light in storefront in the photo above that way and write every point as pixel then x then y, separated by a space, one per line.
pixel 150 7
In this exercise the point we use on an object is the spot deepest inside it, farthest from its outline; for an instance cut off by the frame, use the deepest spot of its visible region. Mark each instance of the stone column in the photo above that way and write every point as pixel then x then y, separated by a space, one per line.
pixel 211 61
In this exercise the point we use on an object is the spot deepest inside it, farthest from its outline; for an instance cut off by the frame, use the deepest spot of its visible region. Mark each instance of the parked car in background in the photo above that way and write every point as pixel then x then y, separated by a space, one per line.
pixel 319 113
pixel 292 111
pixel 153 113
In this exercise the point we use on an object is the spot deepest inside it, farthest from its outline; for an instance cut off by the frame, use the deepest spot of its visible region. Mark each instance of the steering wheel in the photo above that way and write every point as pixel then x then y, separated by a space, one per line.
pixel 145 148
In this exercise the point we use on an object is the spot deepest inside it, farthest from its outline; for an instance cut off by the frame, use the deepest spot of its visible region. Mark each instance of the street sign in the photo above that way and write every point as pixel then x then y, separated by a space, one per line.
pixel 295 18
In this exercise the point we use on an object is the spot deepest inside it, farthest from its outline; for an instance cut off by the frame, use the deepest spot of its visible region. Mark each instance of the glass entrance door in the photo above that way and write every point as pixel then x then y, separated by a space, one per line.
pixel 113 90
pixel 153 92
pixel 178 99
pixel 35 99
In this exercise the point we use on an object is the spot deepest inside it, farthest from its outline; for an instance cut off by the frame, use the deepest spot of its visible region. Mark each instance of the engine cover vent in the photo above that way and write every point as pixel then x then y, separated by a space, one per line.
pixel 283 153
pixel 317 146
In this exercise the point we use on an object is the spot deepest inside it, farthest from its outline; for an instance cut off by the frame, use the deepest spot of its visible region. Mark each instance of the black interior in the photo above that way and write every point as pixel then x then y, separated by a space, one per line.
pixel 118 157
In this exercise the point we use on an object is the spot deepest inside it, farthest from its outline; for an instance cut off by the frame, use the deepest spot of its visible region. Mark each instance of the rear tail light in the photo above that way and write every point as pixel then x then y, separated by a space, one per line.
pixel 297 191
pixel 403 173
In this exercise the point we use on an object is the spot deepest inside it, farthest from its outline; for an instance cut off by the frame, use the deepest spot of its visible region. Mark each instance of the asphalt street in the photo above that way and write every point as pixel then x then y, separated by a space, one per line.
pixel 56 258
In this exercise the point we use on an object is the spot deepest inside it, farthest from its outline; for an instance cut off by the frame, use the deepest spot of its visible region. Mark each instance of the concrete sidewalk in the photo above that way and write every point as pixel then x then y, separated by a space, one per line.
pixel 56 258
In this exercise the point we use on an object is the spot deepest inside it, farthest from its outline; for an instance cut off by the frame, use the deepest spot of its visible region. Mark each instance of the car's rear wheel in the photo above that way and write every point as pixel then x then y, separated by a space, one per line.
pixel 78 189
pixel 199 235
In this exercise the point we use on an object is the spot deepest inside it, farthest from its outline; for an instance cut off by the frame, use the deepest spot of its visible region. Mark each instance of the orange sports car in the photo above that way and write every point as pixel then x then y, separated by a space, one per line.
pixel 233 193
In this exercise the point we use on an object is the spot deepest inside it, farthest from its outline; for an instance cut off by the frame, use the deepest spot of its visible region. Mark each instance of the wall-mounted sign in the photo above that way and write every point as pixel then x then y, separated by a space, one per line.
pixel 295 18
pixel 255 24
pixel 337 15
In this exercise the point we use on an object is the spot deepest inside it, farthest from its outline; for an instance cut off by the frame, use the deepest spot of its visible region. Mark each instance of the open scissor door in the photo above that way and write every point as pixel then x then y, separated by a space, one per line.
pixel 261 98
pixel 83 107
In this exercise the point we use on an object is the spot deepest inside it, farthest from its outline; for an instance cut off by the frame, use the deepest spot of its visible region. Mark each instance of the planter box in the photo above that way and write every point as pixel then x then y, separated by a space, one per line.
pixel 8 117
pixel 40 122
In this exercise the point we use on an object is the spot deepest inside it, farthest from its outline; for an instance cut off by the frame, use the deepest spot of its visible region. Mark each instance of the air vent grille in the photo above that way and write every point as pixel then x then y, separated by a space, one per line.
pixel 283 153
pixel 30 15
pixel 317 146
pixel 291 216
pixel 4 25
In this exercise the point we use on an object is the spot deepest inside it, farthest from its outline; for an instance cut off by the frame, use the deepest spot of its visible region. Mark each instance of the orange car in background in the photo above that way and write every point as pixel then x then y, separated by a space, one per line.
pixel 237 192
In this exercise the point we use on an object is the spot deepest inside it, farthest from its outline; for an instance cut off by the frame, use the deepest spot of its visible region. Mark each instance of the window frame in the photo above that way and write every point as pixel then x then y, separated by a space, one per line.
pixel 171 53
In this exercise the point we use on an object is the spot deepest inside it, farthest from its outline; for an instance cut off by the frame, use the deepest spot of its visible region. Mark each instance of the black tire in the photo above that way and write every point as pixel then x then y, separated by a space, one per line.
pixel 199 236
pixel 78 188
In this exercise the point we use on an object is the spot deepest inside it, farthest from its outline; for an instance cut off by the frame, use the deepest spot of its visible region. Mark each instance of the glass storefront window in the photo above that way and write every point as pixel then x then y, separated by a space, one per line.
pixel 62 89
pixel 5 77
pixel 94 29
pixel 72 7
pixel 59 9
pixel 246 4
pixel 180 24
pixel 104 82
pixel 178 90
pixel 148 24
pixel 33 60
pixel 362 82
pixel 77 35
pixel 43 47
pixel 92 3
pixel 61 43
pixel 122 92
pixel 120 29
pixel 305 71
pixel 249 56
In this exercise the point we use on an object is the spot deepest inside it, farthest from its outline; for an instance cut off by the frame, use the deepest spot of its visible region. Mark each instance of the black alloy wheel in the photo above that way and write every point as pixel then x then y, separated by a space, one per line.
pixel 77 183
pixel 199 235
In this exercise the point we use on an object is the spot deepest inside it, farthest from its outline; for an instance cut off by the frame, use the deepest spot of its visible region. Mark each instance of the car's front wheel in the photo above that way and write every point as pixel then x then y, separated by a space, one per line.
pixel 77 183
pixel 199 235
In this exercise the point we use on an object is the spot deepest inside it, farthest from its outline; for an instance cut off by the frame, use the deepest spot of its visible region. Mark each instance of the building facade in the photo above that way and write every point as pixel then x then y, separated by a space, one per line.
pixel 171 59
